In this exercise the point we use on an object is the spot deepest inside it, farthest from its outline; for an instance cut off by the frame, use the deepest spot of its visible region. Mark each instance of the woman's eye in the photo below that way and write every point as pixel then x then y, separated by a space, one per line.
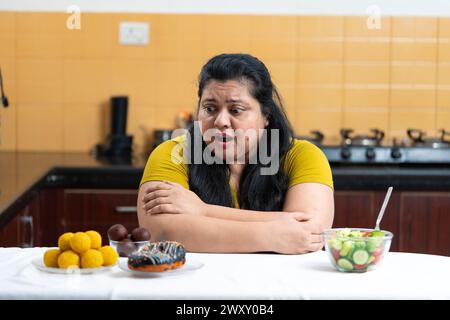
pixel 209 109
pixel 235 111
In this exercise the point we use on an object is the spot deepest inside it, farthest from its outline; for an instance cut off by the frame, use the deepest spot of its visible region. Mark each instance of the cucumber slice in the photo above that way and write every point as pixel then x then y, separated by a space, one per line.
pixel 373 243
pixel 360 245
pixel 346 247
pixel 345 264
pixel 349 255
pixel 360 256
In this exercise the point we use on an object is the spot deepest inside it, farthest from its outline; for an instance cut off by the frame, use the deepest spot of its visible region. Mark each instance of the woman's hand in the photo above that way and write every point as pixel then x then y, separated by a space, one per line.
pixel 296 215
pixel 295 234
pixel 170 197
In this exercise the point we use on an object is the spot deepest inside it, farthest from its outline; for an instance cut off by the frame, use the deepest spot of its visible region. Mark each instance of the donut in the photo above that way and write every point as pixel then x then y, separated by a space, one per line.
pixel 158 257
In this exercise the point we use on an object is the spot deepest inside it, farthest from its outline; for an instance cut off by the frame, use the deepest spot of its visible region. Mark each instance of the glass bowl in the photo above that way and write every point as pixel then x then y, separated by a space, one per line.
pixel 127 248
pixel 356 249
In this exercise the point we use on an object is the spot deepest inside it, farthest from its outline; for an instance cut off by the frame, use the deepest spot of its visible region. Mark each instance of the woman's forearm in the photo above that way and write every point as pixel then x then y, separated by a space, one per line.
pixel 220 212
pixel 206 234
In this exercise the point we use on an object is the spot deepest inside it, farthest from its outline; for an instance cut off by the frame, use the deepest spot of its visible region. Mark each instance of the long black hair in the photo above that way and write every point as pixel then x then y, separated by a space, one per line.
pixel 211 181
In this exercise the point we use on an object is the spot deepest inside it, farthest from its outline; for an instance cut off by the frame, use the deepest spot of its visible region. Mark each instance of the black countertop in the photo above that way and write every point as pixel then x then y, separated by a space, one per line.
pixel 21 173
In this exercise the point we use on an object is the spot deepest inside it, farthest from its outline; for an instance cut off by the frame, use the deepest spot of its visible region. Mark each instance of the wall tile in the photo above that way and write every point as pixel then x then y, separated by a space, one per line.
pixel 328 123
pixel 86 80
pixel 414 27
pixel 443 74
pixel 8 128
pixel 365 73
pixel 136 78
pixel 273 27
pixel 416 99
pixel 40 35
pixel 443 101
pixel 320 49
pixel 8 34
pixel 443 121
pixel 320 26
pixel 39 127
pixel 330 71
pixel 400 121
pixel 82 128
pixel 363 121
pixel 8 116
pixel 358 26
pixel 320 99
pixel 369 100
pixel 39 80
pixel 414 73
pixel 94 39
pixel 132 52
pixel 367 51
pixel 320 73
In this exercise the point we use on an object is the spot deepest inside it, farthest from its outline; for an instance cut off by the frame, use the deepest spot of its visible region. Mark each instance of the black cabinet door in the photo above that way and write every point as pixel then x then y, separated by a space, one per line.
pixel 21 231
pixel 93 209
pixel 425 222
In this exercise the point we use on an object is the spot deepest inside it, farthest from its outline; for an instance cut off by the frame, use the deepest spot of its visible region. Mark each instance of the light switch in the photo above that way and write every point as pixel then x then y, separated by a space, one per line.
pixel 134 33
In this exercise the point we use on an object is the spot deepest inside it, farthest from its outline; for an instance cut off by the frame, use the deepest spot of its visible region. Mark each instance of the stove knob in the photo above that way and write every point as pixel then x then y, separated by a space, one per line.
pixel 395 153
pixel 370 153
pixel 346 153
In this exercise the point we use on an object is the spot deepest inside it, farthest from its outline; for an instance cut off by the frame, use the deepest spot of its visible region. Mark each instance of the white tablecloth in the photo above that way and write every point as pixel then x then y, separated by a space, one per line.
pixel 235 276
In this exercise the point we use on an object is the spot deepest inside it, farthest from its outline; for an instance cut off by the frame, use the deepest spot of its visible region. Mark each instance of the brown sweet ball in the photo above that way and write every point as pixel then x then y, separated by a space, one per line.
pixel 117 232
pixel 140 234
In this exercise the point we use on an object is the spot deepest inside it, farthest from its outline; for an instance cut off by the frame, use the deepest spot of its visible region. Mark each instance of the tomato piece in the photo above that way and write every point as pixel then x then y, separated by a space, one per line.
pixel 377 259
pixel 378 251
pixel 335 254
pixel 360 266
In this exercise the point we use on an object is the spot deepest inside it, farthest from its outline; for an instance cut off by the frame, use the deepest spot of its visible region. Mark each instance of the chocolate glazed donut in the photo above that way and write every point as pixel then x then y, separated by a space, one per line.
pixel 158 257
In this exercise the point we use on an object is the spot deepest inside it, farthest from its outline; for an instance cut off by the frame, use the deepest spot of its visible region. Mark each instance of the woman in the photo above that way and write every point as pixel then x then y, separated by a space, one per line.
pixel 232 205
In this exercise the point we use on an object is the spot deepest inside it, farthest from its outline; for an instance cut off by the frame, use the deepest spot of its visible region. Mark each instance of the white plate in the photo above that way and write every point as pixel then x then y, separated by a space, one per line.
pixel 39 264
pixel 189 266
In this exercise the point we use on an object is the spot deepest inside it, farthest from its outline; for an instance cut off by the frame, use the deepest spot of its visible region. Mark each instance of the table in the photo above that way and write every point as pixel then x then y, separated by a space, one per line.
pixel 234 276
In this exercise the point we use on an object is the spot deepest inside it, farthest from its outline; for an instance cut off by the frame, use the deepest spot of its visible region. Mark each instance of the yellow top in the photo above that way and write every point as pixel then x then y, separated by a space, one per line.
pixel 305 162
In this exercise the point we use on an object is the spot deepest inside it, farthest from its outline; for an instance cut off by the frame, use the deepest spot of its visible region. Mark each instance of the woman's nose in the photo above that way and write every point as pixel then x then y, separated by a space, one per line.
pixel 222 120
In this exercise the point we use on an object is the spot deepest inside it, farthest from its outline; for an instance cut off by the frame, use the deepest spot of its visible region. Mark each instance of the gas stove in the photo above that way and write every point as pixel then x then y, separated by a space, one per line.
pixel 370 148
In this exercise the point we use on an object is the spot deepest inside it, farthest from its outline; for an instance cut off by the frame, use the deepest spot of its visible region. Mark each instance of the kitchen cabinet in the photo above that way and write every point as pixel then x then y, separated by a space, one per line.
pixel 54 211
pixel 85 209
pixel 21 231
pixel 420 221
pixel 425 222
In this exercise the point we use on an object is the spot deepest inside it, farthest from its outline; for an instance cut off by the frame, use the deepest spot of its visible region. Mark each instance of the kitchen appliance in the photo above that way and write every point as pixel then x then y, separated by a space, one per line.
pixel 161 135
pixel 362 140
pixel 118 143
pixel 316 137
pixel 418 139
pixel 371 149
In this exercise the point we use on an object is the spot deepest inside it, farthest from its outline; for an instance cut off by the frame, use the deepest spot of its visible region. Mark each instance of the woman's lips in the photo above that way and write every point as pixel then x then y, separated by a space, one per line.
pixel 223 141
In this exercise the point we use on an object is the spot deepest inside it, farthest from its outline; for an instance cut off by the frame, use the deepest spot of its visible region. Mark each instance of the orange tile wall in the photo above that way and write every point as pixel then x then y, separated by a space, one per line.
pixel 333 72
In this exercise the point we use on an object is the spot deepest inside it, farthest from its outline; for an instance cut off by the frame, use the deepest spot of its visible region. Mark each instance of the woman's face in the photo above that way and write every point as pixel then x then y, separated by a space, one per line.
pixel 230 119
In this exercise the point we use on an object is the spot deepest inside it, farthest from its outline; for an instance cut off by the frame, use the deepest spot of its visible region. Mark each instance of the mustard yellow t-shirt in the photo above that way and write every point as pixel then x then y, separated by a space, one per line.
pixel 304 162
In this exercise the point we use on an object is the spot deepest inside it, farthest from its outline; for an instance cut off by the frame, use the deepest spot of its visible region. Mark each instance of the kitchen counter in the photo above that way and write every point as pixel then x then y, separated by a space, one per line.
pixel 22 173
pixel 233 276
